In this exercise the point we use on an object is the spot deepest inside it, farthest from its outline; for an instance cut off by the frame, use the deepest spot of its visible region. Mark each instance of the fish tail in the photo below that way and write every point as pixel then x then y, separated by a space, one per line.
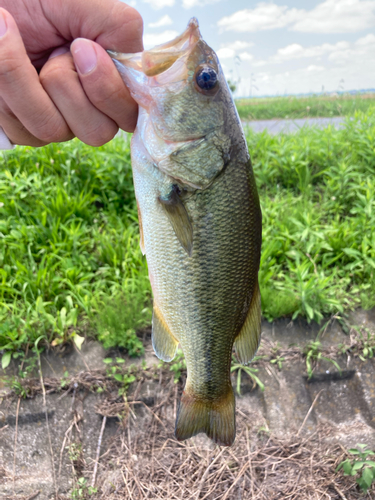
pixel 215 418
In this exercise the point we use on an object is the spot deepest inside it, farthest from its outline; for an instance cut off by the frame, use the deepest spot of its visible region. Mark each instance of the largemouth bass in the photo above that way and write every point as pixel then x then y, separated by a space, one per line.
pixel 200 223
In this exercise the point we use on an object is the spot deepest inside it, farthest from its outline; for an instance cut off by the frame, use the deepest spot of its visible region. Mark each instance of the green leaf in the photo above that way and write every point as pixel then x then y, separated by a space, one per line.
pixel 347 467
pixel 118 377
pixel 78 340
pixel 5 360
pixel 107 361
pixel 120 360
pixel 367 476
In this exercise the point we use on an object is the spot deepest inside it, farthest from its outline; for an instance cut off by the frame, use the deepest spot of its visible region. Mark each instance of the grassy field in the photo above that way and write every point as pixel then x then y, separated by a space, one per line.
pixel 70 263
pixel 303 107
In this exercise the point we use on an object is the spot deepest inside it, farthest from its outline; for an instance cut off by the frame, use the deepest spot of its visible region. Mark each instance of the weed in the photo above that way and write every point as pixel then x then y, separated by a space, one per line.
pixel 124 378
pixel 251 372
pixel 81 490
pixel 360 466
pixel 279 360
pixel 313 353
pixel 368 346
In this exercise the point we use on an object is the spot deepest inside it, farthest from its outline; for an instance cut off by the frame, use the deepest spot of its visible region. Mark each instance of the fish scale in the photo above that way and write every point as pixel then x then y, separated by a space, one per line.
pixel 202 243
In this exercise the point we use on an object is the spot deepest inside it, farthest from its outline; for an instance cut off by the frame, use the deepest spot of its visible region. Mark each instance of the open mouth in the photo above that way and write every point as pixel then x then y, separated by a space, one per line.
pixel 156 61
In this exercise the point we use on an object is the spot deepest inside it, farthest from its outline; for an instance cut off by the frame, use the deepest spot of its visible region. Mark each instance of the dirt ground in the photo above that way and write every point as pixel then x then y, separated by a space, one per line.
pixel 79 438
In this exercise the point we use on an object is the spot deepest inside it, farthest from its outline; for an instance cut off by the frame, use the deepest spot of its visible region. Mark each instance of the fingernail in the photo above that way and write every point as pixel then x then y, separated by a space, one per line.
pixel 59 51
pixel 84 55
pixel 3 24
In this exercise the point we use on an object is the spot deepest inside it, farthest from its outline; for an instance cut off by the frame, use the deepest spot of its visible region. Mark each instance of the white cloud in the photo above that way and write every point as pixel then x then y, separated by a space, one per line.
pixel 296 51
pixel 338 16
pixel 188 4
pixel 330 16
pixel 246 56
pixel 160 4
pixel 239 45
pixel 314 68
pixel 229 51
pixel 226 53
pixel 132 3
pixel 163 21
pixel 265 16
pixel 366 40
pixel 152 39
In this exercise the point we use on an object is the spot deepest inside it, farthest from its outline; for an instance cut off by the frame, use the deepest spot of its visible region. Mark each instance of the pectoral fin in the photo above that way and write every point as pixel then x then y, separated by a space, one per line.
pixel 163 342
pixel 247 341
pixel 179 218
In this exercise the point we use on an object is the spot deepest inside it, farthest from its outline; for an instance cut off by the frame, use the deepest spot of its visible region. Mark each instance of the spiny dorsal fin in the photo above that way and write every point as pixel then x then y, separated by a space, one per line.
pixel 179 218
pixel 163 342
pixel 247 341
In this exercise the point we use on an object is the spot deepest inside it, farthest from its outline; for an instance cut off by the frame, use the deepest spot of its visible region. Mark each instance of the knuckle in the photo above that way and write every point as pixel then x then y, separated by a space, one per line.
pixel 51 74
pixel 50 129
pixel 99 135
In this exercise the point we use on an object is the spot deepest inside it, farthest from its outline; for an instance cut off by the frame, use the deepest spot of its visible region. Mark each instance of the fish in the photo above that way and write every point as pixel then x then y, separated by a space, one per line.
pixel 200 223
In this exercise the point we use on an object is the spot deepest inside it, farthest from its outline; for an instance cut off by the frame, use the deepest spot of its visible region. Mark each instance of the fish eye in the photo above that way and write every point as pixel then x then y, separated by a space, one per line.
pixel 206 78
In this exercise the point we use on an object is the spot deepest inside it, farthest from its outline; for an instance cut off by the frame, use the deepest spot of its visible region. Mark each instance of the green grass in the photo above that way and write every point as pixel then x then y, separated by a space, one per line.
pixel 69 246
pixel 301 107
pixel 317 190
pixel 70 263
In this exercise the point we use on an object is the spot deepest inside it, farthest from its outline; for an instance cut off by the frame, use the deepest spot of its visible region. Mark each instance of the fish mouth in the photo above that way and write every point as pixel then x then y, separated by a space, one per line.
pixel 159 59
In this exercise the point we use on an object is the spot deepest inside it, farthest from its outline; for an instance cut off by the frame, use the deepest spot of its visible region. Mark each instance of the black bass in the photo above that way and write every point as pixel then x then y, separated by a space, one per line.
pixel 200 223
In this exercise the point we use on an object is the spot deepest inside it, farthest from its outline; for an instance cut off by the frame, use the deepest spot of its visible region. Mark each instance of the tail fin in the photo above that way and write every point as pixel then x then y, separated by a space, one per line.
pixel 215 418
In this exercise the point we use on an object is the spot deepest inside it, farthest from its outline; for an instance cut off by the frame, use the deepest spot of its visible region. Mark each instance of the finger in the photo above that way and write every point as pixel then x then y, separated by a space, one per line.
pixel 13 128
pixel 61 82
pixel 103 84
pixel 21 90
pixel 111 23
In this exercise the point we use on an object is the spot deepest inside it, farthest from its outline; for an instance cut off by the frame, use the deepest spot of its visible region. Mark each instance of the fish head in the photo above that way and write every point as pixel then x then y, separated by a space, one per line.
pixel 178 86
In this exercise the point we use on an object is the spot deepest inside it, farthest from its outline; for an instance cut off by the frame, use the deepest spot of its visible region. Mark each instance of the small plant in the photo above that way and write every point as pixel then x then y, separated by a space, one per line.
pixel 82 490
pixel 278 360
pixel 251 372
pixel 361 467
pixel 115 372
pixel 368 349
pixel 313 353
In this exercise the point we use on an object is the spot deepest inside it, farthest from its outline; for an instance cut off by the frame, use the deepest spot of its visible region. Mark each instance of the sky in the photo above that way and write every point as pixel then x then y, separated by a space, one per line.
pixel 276 47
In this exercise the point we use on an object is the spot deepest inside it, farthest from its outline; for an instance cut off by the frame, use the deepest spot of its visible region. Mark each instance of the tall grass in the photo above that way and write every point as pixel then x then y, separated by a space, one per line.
pixel 70 261
pixel 303 107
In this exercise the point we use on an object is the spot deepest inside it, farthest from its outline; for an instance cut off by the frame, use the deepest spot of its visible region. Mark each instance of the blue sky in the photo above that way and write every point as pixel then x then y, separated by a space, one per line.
pixel 277 47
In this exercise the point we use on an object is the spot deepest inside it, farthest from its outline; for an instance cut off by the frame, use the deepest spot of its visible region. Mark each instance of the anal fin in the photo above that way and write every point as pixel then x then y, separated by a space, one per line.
pixel 163 342
pixel 247 341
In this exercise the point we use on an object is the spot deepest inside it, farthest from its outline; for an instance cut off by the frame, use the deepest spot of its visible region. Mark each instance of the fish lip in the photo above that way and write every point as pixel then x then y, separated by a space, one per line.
pixel 160 58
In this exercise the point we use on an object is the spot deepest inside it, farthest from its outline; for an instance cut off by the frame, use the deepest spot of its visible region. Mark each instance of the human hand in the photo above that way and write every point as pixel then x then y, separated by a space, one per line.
pixel 78 92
